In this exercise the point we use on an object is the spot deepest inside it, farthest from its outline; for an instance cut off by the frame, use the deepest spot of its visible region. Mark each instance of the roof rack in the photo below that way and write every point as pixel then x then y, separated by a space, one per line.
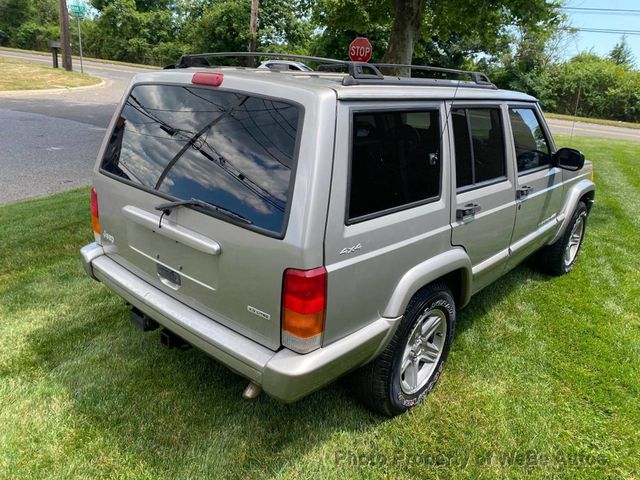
pixel 358 72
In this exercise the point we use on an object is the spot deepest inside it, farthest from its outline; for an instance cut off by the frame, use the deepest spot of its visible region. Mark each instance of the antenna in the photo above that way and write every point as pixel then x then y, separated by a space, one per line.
pixel 575 113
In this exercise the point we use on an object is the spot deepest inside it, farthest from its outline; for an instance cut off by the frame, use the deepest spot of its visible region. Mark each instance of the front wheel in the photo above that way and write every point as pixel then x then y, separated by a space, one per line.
pixel 408 369
pixel 559 258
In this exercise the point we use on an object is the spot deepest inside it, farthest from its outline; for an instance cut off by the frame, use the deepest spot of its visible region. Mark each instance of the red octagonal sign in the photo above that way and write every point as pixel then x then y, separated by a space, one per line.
pixel 360 50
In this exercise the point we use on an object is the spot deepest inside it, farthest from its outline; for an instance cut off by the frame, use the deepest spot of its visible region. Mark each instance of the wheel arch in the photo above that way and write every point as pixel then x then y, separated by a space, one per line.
pixel 584 191
pixel 588 198
pixel 453 268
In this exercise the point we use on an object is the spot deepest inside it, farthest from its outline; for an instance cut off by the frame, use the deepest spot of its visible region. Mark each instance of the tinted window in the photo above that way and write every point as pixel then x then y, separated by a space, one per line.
pixel 394 160
pixel 231 150
pixel 532 148
pixel 479 144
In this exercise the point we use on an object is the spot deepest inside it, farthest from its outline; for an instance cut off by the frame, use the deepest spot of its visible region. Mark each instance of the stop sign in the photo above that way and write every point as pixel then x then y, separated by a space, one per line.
pixel 360 50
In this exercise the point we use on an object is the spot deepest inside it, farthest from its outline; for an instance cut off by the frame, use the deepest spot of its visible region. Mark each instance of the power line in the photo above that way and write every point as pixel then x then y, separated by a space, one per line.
pixel 605 11
pixel 607 30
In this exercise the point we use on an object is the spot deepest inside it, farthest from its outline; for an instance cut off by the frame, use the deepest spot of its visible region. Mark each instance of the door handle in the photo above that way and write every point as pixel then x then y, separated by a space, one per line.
pixel 180 234
pixel 468 211
pixel 523 191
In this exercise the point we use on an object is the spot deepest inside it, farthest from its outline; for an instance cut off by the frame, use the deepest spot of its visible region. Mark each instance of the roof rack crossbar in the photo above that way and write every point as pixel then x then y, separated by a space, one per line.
pixel 356 70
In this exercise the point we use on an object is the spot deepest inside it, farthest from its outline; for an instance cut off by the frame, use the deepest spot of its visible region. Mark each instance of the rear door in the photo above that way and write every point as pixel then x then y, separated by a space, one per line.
pixel 231 150
pixel 483 206
pixel 389 205
pixel 539 183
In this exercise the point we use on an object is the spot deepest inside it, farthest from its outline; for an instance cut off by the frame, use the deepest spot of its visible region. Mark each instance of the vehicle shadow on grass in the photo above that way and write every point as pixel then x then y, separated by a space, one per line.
pixel 178 412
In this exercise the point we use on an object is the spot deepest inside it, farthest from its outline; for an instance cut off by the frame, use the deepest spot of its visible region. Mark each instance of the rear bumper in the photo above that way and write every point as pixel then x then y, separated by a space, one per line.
pixel 283 374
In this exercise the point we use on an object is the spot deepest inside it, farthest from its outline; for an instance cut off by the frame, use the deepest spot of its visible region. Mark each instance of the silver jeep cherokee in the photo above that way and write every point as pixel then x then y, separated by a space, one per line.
pixel 296 226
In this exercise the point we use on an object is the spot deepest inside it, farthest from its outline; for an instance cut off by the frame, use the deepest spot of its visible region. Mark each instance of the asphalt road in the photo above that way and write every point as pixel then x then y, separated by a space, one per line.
pixel 582 129
pixel 49 141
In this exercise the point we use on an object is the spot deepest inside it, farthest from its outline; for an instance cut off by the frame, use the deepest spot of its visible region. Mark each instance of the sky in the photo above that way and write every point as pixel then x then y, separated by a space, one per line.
pixel 602 43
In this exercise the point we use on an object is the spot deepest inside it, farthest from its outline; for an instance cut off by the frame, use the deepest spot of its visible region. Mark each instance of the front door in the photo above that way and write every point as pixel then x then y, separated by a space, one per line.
pixel 483 205
pixel 539 183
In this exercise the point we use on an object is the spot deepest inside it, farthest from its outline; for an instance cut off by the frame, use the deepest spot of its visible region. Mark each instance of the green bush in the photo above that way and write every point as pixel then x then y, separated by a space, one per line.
pixel 33 36
pixel 599 88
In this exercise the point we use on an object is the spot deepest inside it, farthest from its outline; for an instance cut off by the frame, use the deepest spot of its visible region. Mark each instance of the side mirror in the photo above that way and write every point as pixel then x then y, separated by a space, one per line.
pixel 568 159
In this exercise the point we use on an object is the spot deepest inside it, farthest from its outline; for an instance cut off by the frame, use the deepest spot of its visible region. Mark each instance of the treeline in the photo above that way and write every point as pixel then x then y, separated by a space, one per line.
pixel 595 87
pixel 517 43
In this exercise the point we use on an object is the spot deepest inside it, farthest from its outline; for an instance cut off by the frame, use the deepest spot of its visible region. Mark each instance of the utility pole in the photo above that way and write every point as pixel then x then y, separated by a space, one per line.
pixel 253 30
pixel 65 36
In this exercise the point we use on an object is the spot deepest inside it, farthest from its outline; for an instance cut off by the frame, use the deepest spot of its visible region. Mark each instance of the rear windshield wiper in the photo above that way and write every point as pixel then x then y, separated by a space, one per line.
pixel 194 202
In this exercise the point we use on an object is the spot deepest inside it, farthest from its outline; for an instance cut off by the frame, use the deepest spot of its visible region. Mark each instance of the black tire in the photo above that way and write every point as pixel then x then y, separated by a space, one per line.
pixel 551 259
pixel 378 384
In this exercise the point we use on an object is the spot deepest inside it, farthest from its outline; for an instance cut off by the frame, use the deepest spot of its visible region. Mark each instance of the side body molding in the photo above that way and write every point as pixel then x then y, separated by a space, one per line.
pixel 573 196
pixel 425 273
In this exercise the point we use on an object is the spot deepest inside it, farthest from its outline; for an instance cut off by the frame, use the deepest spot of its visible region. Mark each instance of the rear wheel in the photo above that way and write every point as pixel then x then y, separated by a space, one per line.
pixel 408 369
pixel 559 258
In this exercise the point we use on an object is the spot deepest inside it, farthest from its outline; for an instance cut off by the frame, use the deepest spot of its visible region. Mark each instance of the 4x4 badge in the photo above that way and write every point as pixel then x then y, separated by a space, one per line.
pixel 348 250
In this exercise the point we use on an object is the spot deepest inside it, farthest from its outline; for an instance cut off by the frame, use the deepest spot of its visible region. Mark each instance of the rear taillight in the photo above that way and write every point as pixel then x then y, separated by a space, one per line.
pixel 95 217
pixel 304 302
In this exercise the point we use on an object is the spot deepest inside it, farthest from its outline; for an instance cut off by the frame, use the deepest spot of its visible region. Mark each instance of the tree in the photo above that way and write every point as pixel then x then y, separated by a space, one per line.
pixel 621 54
pixel 405 30
pixel 223 25
pixel 598 87
pixel 220 26
pixel 526 65
pixel 13 13
pixel 432 31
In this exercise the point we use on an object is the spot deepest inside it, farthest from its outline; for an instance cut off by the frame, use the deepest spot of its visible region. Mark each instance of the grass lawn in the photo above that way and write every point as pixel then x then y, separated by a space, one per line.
pixel 23 75
pixel 543 379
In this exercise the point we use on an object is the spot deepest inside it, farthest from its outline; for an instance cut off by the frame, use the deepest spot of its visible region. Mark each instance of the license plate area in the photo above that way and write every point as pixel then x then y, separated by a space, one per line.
pixel 193 269
pixel 169 277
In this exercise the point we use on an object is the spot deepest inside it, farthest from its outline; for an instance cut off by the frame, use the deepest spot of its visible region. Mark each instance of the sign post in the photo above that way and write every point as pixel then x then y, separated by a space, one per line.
pixel 360 50
pixel 78 12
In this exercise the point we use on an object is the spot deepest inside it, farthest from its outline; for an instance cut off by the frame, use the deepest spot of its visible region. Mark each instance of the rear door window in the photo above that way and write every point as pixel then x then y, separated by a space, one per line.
pixel 479 144
pixel 394 161
pixel 228 149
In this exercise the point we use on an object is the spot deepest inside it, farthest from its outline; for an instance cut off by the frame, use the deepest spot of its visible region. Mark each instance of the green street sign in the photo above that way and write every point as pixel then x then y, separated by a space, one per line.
pixel 77 9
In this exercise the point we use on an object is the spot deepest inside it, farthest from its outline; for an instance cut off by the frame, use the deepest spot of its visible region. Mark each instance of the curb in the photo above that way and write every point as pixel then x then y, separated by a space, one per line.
pixel 11 93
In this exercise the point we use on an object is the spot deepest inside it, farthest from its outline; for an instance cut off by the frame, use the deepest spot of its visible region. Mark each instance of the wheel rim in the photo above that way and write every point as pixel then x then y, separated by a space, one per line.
pixel 423 350
pixel 575 239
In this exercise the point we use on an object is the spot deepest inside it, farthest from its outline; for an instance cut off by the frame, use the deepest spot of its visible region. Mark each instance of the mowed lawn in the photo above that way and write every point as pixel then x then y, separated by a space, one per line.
pixel 543 379
pixel 17 74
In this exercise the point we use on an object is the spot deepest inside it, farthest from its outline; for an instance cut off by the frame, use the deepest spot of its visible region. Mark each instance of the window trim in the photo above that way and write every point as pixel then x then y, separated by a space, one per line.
pixel 484 183
pixel 543 129
pixel 490 181
pixel 279 235
pixel 370 216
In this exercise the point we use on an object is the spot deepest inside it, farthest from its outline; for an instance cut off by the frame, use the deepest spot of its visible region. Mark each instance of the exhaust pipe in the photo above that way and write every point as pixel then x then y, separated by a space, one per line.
pixel 171 340
pixel 251 391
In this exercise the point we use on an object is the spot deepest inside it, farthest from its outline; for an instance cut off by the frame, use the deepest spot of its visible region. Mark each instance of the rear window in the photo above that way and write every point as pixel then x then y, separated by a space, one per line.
pixel 231 150
pixel 394 162
pixel 479 143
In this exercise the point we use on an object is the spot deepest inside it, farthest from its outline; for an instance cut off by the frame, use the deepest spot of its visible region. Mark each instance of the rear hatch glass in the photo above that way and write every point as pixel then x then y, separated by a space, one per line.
pixel 231 150
pixel 209 147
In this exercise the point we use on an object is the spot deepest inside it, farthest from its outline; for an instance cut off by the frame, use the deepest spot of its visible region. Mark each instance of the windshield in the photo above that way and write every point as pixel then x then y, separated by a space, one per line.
pixel 227 149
